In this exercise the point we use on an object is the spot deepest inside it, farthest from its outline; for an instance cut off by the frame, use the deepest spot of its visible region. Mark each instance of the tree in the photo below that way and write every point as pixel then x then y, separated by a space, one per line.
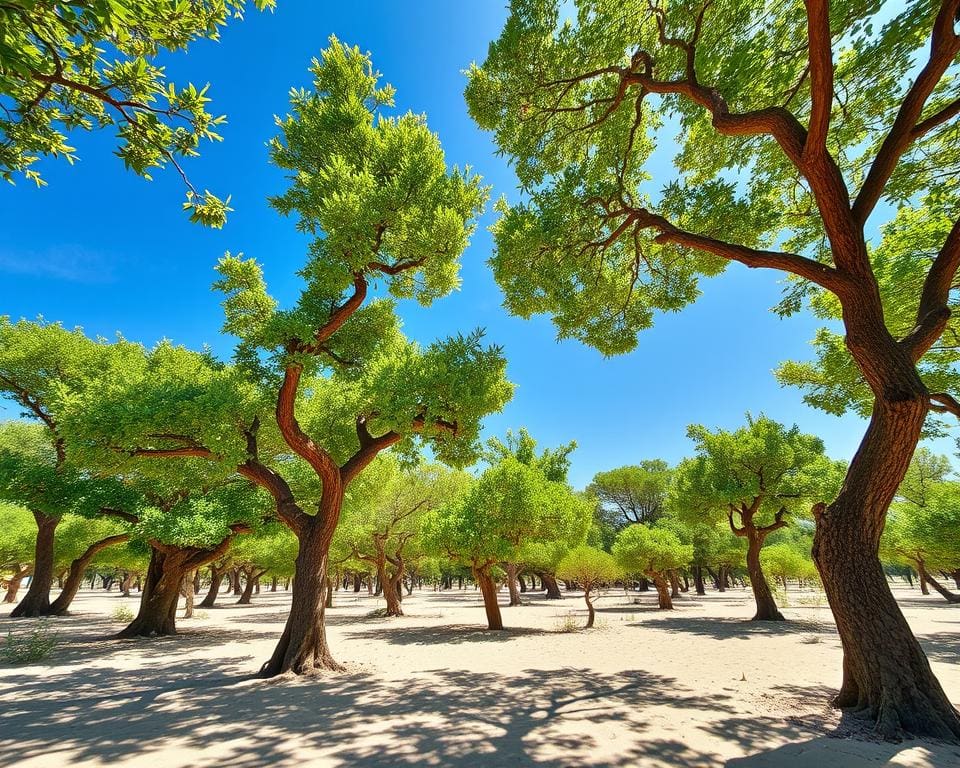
pixel 756 477
pixel 923 530
pixel 652 552
pixel 786 560
pixel 79 540
pixel 270 549
pixel 767 177
pixel 590 568
pixel 380 206
pixel 540 555
pixel 55 77
pixel 510 504
pixel 633 494
pixel 17 538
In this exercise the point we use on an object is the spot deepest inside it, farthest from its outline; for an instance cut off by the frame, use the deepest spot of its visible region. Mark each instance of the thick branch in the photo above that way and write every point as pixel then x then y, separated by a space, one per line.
pixel 934 311
pixel 821 75
pixel 941 402
pixel 944 46
pixel 321 461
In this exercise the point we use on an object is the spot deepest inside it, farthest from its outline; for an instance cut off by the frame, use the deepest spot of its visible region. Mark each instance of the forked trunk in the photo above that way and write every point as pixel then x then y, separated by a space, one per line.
pixel 489 591
pixel 71 584
pixel 663 591
pixel 390 586
pixel 37 600
pixel 766 606
pixel 886 675
pixel 511 569
pixel 303 645
pixel 550 584
pixel 247 595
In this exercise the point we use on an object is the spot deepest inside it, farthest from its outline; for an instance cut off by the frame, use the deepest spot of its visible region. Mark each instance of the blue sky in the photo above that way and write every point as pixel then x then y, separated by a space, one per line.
pixel 106 250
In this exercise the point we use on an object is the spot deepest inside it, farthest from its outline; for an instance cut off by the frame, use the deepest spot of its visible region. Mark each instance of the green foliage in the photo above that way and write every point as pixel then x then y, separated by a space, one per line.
pixel 589 98
pixel 787 561
pixel 271 548
pixel 68 66
pixel 121 615
pixel 513 513
pixel 588 567
pixel 18 532
pixel 763 463
pixel 553 462
pixel 632 494
pixel 34 645
pixel 641 550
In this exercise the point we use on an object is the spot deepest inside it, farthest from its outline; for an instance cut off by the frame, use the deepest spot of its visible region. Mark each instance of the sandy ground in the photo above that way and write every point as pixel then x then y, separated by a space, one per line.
pixel 698 686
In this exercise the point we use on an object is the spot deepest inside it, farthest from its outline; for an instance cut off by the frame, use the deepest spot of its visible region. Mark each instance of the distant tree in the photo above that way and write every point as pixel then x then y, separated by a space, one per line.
pixel 652 552
pixel 633 494
pixel 56 76
pixel 797 132
pixel 755 477
pixel 18 534
pixel 591 569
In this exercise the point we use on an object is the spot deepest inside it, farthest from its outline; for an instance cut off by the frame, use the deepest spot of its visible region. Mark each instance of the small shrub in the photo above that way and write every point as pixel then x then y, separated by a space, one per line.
pixel 811 639
pixel 569 623
pixel 201 615
pixel 122 614
pixel 33 646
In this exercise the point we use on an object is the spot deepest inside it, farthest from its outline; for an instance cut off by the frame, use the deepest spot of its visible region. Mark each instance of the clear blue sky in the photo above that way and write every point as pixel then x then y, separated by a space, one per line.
pixel 106 250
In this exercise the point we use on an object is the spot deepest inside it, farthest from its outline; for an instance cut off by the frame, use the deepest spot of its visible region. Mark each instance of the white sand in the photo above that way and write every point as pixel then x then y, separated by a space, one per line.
pixel 698 686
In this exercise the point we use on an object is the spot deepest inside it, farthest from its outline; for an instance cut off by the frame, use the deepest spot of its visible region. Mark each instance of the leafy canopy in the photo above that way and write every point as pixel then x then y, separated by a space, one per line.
pixel 641 550
pixel 66 66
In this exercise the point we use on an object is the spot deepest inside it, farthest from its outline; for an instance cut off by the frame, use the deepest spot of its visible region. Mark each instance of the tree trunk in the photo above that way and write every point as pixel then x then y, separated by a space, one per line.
pixel 550 584
pixel 489 591
pixel 235 582
pixel 945 593
pixel 766 606
pixel 13 585
pixel 643 585
pixel 75 577
pixel 590 612
pixel 523 584
pixel 186 589
pixel 273 584
pixel 389 586
pixel 247 595
pixel 196 582
pixel 922 576
pixel 698 580
pixel 303 648
pixel 37 600
pixel 956 577
pixel 126 583
pixel 663 591
pixel 674 584
pixel 357 582
pixel 511 569
pixel 216 579
pixel 886 675
pixel 161 591
pixel 328 603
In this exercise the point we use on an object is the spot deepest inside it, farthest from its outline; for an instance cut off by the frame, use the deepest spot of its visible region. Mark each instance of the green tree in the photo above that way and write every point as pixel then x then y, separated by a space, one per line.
pixel 272 549
pixel 797 132
pixel 66 66
pixel 382 210
pixel 652 552
pixel 591 569
pixel 632 494
pixel 510 504
pixel 756 476
pixel 17 538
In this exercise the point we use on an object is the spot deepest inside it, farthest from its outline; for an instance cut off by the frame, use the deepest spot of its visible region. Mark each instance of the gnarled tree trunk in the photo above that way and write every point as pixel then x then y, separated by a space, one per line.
pixel 945 593
pixel 766 606
pixel 71 584
pixel 591 613
pixel 37 600
pixel 663 590
pixel 885 672
pixel 550 584
pixel 216 579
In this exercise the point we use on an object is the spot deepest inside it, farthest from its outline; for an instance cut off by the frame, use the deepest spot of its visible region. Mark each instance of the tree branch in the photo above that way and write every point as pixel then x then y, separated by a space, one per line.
pixel 821 75
pixel 944 46
pixel 942 402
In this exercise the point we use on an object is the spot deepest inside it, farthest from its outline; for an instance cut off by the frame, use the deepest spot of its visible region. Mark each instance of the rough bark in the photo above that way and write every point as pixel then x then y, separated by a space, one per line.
pixel 71 584
pixel 37 600
pixel 766 606
pixel 511 569
pixel 674 584
pixel 550 584
pixel 886 675
pixel 303 648
pixel 489 592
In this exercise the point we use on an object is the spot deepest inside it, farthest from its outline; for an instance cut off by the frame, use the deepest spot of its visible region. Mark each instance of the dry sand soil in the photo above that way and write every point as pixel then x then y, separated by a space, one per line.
pixel 697 686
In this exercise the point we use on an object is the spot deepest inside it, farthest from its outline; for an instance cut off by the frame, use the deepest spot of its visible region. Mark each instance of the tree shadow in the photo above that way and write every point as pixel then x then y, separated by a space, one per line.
pixel 448 634
pixel 722 629
pixel 941 646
